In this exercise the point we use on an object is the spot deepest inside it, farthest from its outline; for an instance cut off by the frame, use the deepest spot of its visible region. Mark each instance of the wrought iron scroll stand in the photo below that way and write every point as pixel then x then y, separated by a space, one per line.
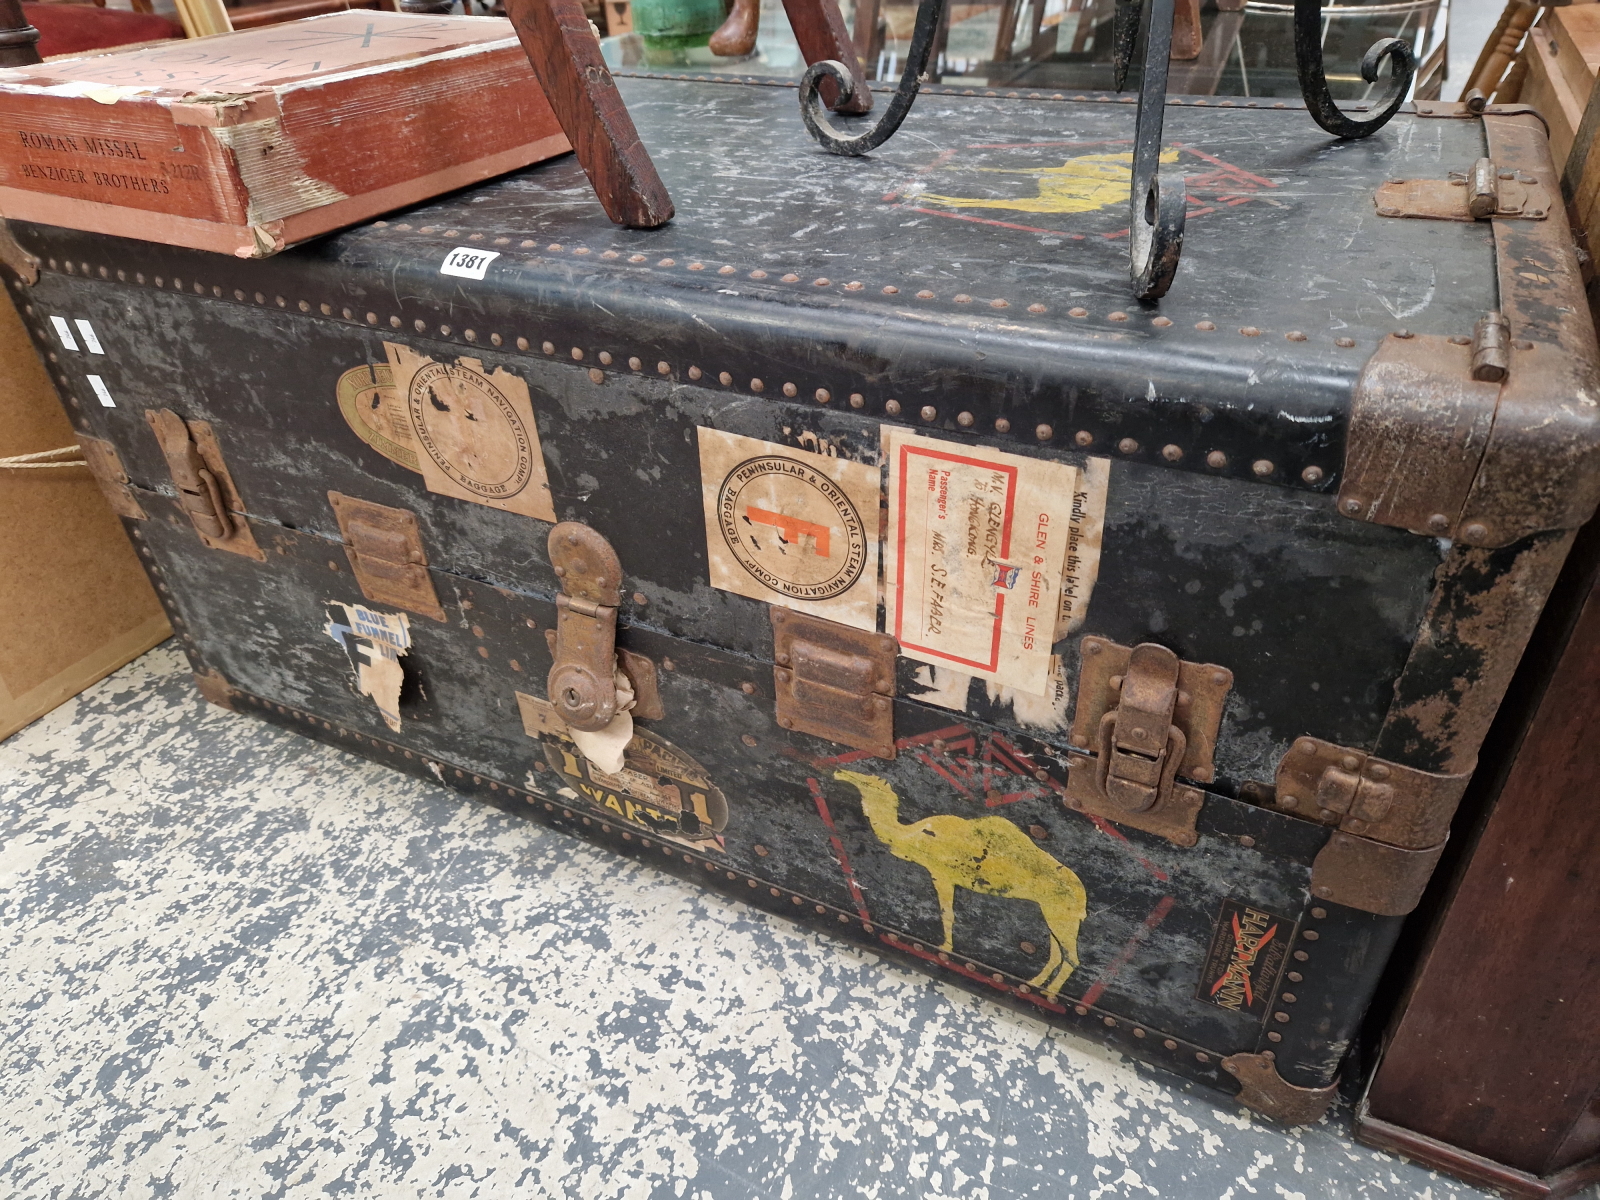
pixel 1158 199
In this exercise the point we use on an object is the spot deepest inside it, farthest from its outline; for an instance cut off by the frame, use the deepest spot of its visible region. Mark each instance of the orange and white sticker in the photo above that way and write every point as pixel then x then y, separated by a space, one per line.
pixel 795 529
pixel 975 554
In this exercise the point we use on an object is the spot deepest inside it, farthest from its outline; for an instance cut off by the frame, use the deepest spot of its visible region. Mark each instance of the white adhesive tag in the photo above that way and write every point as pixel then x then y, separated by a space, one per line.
pixel 99 386
pixel 467 263
pixel 64 332
pixel 89 338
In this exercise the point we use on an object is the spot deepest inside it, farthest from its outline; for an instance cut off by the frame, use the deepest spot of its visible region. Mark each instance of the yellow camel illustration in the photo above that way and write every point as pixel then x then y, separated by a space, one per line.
pixel 1080 184
pixel 989 856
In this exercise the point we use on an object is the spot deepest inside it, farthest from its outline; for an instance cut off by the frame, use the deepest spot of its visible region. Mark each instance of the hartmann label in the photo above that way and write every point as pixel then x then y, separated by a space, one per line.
pixel 1248 948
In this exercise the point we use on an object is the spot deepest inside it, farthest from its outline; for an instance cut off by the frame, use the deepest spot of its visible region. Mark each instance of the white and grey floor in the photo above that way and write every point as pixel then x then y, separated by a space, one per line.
pixel 237 963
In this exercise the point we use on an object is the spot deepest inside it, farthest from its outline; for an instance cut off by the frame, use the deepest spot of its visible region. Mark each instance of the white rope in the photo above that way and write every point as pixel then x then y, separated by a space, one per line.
pixel 42 460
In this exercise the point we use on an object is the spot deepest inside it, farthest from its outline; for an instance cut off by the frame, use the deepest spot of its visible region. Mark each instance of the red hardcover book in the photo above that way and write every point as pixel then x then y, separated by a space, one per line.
pixel 248 142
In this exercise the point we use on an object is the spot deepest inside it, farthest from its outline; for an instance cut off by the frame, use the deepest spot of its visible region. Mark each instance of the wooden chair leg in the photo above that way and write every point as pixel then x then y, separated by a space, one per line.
pixel 819 29
pixel 566 59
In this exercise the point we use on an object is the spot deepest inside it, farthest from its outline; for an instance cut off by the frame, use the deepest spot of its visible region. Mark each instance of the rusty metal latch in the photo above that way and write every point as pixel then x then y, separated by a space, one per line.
pixel 205 490
pixel 833 681
pixel 1391 822
pixel 1148 717
pixel 384 547
pixel 1480 193
pixel 583 679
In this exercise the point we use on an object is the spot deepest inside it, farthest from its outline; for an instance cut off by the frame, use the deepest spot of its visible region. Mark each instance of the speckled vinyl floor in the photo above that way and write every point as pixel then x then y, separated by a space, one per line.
pixel 236 963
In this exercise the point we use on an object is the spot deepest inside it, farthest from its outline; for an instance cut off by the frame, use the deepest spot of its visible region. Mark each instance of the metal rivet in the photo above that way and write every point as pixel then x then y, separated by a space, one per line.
pixel 1301 956
pixel 1206 326
pixel 1312 475
pixel 596 375
pixel 929 412
pixel 1262 467
pixel 663 368
pixel 1344 343
pixel 1002 425
pixel 857 400
pixel 963 298
pixel 1128 446
pixel 924 295
pixel 1281 1018
pixel 1312 935
pixel 1080 1010
pixel 1294 335
pixel 1039 308
pixel 1043 432
pixel 757 386
pixel 1170 1044
pixel 892 407
pixel 823 395
pixel 1077 312
pixel 824 282
pixel 1116 316
pixel 758 274
pixel 1171 453
pixel 891 290
pixel 1250 331
pixel 1474 533
pixel 1404 334
pixel 1202 1056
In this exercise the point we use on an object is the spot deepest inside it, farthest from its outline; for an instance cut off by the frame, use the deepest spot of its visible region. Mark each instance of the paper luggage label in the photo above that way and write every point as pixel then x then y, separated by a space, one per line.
pixel 790 527
pixel 976 551
pixel 659 788
pixel 470 433
pixel 374 642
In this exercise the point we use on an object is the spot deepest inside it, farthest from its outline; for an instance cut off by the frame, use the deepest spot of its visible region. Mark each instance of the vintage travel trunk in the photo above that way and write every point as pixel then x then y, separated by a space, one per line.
pixel 1122 663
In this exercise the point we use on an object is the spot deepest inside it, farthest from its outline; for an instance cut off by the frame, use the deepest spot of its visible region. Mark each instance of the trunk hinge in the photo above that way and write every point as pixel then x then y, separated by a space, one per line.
pixel 384 546
pixel 1390 821
pixel 1482 192
pixel 205 489
pixel 833 681
pixel 1149 718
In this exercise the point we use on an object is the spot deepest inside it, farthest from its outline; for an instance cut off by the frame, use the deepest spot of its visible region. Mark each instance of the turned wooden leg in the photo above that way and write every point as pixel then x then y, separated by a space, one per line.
pixel 736 36
pixel 566 59
pixel 819 28
pixel 18 40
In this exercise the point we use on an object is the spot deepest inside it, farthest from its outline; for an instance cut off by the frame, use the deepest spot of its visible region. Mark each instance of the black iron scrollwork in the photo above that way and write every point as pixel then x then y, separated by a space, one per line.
pixel 836 142
pixel 1314 83
pixel 1159 198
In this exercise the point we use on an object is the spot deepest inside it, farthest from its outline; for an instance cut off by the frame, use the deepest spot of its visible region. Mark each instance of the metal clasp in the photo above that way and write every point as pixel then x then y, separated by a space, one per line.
pixel 1140 747
pixel 384 546
pixel 205 490
pixel 198 491
pixel 833 681
pixel 583 679
pixel 1148 718
pixel 1480 193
